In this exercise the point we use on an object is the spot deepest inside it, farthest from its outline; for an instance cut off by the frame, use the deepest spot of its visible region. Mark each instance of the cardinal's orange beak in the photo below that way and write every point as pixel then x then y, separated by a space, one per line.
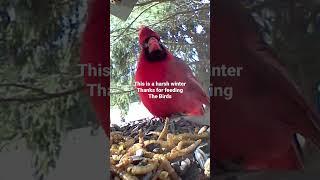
pixel 154 45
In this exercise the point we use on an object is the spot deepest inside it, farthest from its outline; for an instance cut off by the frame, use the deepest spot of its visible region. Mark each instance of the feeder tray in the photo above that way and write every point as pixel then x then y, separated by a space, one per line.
pixel 151 149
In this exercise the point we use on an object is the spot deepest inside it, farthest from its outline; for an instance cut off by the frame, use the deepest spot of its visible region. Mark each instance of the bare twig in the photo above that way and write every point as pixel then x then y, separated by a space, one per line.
pixel 120 91
pixel 120 35
pixel 48 96
pixel 178 13
pixel 41 91
pixel 151 1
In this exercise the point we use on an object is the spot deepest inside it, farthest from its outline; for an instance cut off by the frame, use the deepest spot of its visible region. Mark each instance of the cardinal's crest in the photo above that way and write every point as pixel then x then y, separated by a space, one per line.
pixel 122 8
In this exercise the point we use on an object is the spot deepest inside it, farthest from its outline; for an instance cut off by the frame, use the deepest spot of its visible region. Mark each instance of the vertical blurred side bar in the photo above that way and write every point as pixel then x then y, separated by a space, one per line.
pixel 212 125
pixel 318 96
pixel 107 107
pixel 95 50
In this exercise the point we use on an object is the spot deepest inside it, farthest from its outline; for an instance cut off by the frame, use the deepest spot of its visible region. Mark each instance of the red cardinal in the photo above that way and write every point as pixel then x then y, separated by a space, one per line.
pixel 257 127
pixel 157 65
pixel 94 51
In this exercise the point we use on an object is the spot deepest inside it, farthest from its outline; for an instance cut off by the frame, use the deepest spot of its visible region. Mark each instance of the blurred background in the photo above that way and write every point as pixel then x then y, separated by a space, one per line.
pixel 45 116
pixel 292 29
pixel 41 101
pixel 184 27
pixel 47 127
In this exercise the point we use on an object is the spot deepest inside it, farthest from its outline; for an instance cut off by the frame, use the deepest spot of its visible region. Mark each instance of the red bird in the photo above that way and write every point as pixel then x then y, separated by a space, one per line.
pixel 157 65
pixel 257 128
pixel 94 51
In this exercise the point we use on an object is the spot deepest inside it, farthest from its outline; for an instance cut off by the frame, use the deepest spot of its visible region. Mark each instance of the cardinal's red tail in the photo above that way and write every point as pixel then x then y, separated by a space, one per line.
pixel 291 160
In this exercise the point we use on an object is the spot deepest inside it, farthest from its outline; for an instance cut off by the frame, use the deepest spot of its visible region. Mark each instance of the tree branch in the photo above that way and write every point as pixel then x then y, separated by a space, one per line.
pixel 41 91
pixel 48 96
pixel 151 1
pixel 178 13
pixel 120 35
pixel 120 91
pixel 160 21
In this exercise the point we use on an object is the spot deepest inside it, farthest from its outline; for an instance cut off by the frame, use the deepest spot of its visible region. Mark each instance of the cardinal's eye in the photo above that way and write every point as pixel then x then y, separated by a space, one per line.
pixel 145 45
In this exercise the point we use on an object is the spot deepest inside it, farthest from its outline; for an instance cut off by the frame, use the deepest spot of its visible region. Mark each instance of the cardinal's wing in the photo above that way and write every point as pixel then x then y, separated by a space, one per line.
pixel 193 83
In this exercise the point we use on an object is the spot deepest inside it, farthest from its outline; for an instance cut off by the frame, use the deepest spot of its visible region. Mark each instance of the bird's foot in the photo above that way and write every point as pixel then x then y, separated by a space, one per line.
pixel 164 131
